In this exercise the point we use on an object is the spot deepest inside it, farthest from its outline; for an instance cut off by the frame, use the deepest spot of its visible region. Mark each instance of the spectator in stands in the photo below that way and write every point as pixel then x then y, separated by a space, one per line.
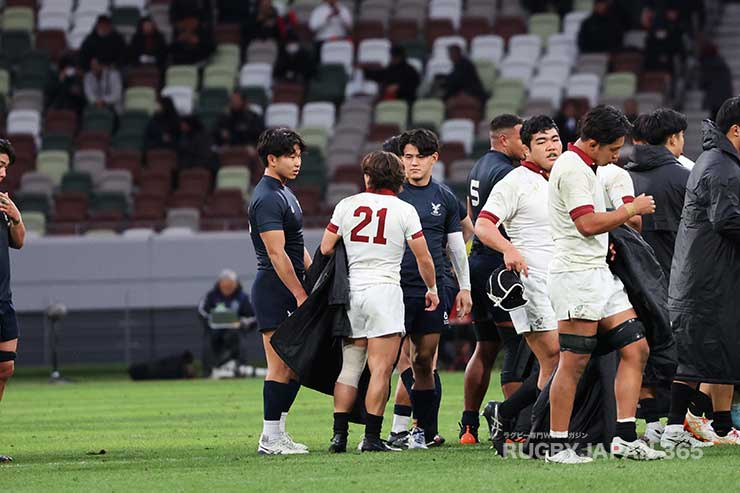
pixel 567 121
pixel 294 62
pixel 148 46
pixel 330 20
pixel 186 14
pixel 103 86
pixel 235 11
pixel 104 43
pixel 266 24
pixel 193 42
pixel 398 80
pixel 240 126
pixel 227 313
pixel 163 130
pixel 716 78
pixel 464 77
pixel 599 32
pixel 664 41
pixel 194 145
pixel 562 7
pixel 67 92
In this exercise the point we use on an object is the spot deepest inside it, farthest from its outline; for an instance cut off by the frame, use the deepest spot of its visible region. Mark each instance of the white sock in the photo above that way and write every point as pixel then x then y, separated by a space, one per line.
pixel 627 420
pixel 558 434
pixel 283 417
pixel 271 429
pixel 400 423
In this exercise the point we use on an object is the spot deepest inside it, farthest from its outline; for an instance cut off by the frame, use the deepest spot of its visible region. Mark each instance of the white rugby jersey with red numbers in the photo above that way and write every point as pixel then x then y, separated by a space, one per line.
pixel 374 227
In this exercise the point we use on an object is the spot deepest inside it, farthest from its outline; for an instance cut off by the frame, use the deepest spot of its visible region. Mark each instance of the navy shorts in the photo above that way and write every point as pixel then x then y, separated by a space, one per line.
pixel 272 301
pixel 8 322
pixel 450 294
pixel 485 313
pixel 419 321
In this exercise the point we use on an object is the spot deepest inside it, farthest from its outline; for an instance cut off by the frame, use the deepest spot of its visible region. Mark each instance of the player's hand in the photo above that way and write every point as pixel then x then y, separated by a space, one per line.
pixel 464 303
pixel 514 261
pixel 612 252
pixel 301 298
pixel 432 300
pixel 8 207
pixel 644 204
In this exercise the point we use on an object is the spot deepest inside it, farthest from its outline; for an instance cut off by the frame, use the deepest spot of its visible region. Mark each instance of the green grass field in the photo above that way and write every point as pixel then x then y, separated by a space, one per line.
pixel 202 435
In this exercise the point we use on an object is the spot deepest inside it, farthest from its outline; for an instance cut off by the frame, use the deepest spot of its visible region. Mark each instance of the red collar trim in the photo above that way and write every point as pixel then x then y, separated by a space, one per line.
pixel 381 191
pixel 584 157
pixel 533 167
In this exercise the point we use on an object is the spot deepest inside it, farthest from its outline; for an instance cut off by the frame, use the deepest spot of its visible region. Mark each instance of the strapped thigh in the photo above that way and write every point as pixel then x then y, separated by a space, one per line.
pixel 577 344
pixel 624 334
pixel 7 356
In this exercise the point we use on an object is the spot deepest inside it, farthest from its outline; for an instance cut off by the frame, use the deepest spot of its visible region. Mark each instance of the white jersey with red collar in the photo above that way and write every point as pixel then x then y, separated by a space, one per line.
pixel 374 227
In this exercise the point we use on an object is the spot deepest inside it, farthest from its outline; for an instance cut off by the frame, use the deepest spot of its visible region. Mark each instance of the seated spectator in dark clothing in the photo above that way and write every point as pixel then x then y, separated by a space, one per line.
pixel 398 80
pixel 567 121
pixel 104 43
pixel 194 145
pixel 599 32
pixel 664 41
pixel 240 126
pixel 184 14
pixel 235 11
pixel 294 62
pixel 148 46
pixel 163 130
pixel 227 314
pixel 464 76
pixel 266 24
pixel 103 86
pixel 192 44
pixel 67 92
pixel 716 78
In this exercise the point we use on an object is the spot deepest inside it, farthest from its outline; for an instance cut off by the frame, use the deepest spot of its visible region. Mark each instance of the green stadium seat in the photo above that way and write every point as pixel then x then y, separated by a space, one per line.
pixel 4 82
pixel 393 112
pixel 182 75
pixel 133 122
pixel 217 76
pixel 98 119
pixel 234 177
pixel 14 45
pixel 128 140
pixel 316 138
pixel 57 142
pixel 620 85
pixel 328 84
pixel 212 100
pixel 486 72
pixel 226 55
pixel 125 17
pixel 140 99
pixel 54 164
pixel 415 48
pixel 76 181
pixel 255 95
pixel 428 112
pixel 480 147
pixel 495 107
pixel 32 202
pixel 509 90
pixel 544 25
pixel 18 19
pixel 583 5
pixel 35 221
pixel 109 202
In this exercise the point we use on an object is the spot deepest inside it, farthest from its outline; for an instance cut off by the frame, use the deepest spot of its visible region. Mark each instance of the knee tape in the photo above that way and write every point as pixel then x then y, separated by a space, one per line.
pixel 7 356
pixel 577 344
pixel 354 359
pixel 625 334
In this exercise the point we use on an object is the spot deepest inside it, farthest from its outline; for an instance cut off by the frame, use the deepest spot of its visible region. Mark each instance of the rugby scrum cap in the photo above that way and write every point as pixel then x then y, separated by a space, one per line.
pixel 505 289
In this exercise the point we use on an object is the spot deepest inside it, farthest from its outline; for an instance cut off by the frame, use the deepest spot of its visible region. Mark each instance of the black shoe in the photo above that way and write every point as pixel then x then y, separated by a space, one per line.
pixel 399 440
pixel 495 426
pixel 338 443
pixel 5 459
pixel 436 441
pixel 375 444
pixel 468 434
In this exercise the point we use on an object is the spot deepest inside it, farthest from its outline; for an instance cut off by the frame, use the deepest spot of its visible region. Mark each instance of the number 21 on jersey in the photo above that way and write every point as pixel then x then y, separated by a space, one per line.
pixel 366 213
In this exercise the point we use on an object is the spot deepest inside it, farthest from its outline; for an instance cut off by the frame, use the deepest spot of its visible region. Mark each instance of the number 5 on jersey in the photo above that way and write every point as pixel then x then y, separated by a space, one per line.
pixel 367 217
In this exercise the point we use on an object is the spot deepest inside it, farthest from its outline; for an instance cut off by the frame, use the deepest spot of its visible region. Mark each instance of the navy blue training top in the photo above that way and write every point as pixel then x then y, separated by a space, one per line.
pixel 5 294
pixel 488 171
pixel 438 210
pixel 451 280
pixel 273 208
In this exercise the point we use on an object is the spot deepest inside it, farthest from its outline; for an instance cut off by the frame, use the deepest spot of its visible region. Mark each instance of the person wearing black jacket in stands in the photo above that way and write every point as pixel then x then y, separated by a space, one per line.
pixel 399 80
pixel 464 76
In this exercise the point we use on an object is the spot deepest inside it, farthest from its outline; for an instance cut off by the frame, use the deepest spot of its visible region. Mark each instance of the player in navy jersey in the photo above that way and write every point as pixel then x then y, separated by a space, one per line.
pixel 12 235
pixel 492 325
pixel 276 228
pixel 438 210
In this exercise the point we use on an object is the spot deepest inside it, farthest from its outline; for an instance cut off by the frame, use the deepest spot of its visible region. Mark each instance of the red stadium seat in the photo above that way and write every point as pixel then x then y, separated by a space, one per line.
pixel 93 139
pixel 186 198
pixel 60 122
pixel 288 92
pixel 471 27
pixel 128 159
pixel 228 33
pixel 657 81
pixel 144 76
pixel 508 26
pixel 627 61
pixel 379 132
pixel 368 29
pixel 194 180
pixel 452 151
pixel 437 28
pixel 53 42
pixel 161 159
pixel 70 207
pixel 403 30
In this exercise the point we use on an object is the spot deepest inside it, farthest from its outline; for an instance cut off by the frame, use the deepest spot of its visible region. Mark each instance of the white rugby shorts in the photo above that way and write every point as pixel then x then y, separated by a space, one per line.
pixel 376 311
pixel 537 315
pixel 591 294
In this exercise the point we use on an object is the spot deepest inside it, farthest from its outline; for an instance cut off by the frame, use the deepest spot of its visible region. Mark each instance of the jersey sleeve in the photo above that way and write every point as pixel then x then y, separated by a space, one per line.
pixel 621 190
pixel 463 210
pixel 501 204
pixel 412 227
pixel 268 213
pixel 576 192
pixel 335 222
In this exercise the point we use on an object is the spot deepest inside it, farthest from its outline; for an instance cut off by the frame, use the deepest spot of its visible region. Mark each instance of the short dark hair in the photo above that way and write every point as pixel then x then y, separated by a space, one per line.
pixel 535 125
pixel 278 142
pixel 728 114
pixel 7 148
pixel 505 122
pixel 638 127
pixel 604 124
pixel 423 139
pixel 384 170
pixel 391 145
pixel 661 124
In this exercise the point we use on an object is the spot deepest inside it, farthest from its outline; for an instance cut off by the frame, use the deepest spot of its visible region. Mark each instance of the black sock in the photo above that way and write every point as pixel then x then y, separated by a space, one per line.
pixel 680 400
pixel 649 408
pixel 293 387
pixel 525 395
pixel 373 425
pixel 627 431
pixel 470 418
pixel 341 423
pixel 273 397
pixel 701 404
pixel 401 410
pixel 722 422
pixel 407 378
pixel 437 403
pixel 423 407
